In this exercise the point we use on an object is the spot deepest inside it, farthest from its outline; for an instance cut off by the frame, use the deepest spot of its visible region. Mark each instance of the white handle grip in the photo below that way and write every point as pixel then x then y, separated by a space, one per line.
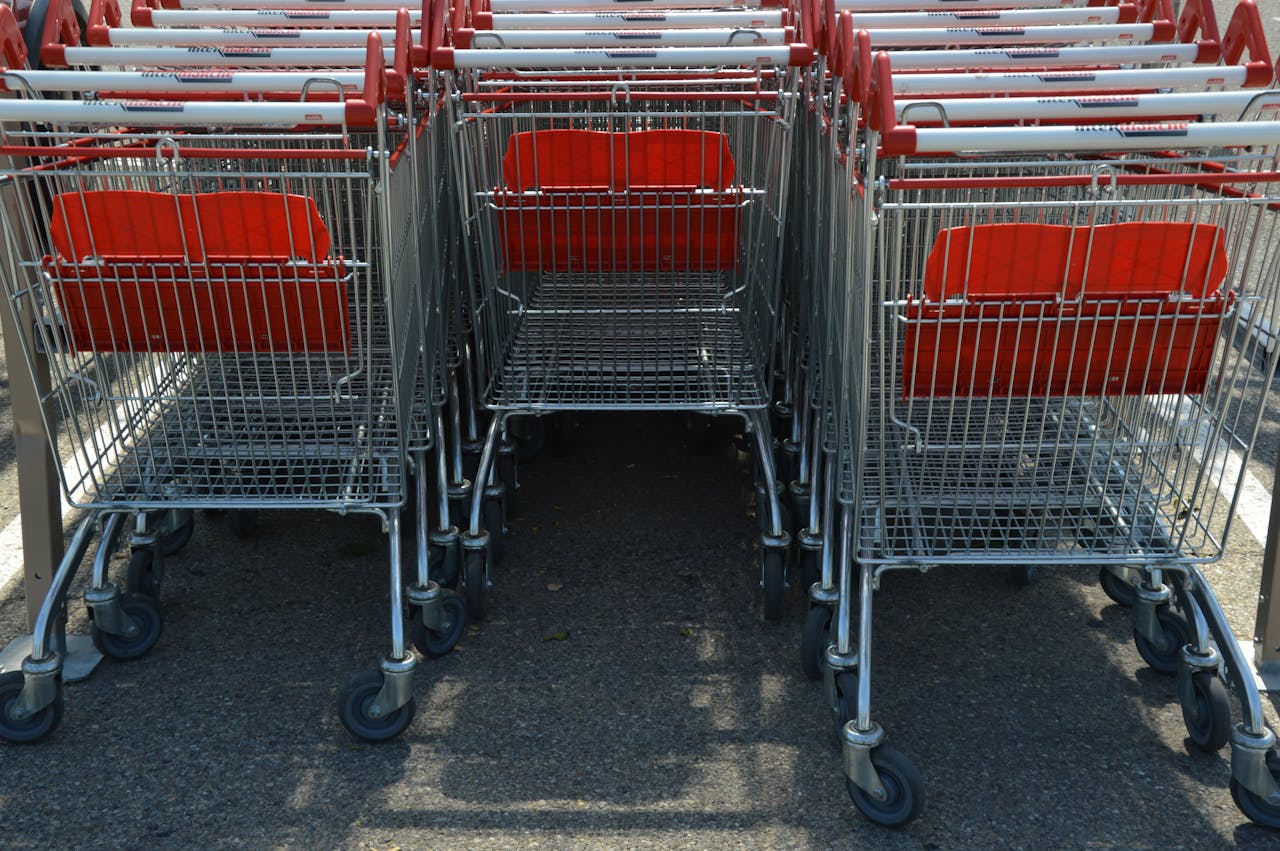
pixel 955 36
pixel 204 57
pixel 1087 109
pixel 146 113
pixel 730 18
pixel 178 82
pixel 1045 57
pixel 1121 137
pixel 295 5
pixel 657 57
pixel 947 5
pixel 1130 79
pixel 264 37
pixel 290 18
pixel 536 39
pixel 988 18
pixel 500 6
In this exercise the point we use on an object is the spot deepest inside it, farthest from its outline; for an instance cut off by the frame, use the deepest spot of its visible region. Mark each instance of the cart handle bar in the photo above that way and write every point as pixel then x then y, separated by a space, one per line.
pixel 141 14
pixel 105 15
pixel 360 111
pixel 796 55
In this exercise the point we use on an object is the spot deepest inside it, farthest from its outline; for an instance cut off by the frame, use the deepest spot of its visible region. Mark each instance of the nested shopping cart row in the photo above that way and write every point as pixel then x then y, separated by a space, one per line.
pixel 986 282
pixel 1040 341
pixel 230 273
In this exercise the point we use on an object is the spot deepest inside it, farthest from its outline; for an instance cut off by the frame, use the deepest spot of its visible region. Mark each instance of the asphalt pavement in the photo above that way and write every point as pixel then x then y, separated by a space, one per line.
pixel 625 693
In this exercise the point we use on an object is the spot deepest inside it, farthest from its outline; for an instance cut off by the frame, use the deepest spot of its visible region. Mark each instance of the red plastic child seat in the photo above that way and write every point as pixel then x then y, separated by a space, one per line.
pixel 593 201
pixel 1017 310
pixel 227 272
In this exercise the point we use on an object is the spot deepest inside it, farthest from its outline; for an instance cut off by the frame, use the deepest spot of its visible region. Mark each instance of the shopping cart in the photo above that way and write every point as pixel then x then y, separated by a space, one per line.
pixel 1054 354
pixel 624 211
pixel 232 319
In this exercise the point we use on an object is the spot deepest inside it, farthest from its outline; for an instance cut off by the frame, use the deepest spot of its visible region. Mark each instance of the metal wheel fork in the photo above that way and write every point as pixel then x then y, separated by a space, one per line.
pixel 397 667
pixel 1151 594
pixel 1251 740
pixel 103 596
pixel 42 667
pixel 424 594
pixel 445 535
pixel 825 592
pixel 861 735
pixel 777 537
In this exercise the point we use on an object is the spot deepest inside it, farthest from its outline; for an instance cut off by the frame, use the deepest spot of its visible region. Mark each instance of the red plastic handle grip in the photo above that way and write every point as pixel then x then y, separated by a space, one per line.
pixel 1245 33
pixel 12 47
pixel 103 15
pixel 140 12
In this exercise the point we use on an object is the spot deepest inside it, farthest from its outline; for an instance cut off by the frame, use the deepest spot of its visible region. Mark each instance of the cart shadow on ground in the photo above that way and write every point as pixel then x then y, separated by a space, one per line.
pixel 625 690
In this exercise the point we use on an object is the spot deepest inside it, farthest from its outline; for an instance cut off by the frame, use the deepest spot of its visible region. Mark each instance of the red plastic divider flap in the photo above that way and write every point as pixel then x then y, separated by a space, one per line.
pixel 124 224
pixel 120 223
pixel 1039 261
pixel 593 159
pixel 261 225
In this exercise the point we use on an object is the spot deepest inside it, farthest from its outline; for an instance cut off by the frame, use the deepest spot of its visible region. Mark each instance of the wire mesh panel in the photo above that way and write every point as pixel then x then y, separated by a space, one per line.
pixel 1061 367
pixel 626 242
pixel 215 309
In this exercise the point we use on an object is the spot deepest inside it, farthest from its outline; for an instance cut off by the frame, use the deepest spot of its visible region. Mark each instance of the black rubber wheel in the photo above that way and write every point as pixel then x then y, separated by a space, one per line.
pixel 506 472
pixel 697 433
pixel 434 643
pixel 142 577
pixel 495 525
pixel 475 585
pixel 1177 635
pixel 814 641
pixel 1256 809
pixel 530 435
pixel 567 432
pixel 775 582
pixel 1020 575
pixel 34 728
pixel 245 523
pixel 846 705
pixel 810 567
pixel 146 614
pixel 353 708
pixel 1208 715
pixel 442 564
pixel 903 785
pixel 172 543
pixel 1121 592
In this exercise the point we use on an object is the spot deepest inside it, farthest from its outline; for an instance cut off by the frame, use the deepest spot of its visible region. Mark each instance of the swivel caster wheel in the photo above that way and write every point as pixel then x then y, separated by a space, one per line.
pixel 775 581
pixel 475 584
pixel 1207 712
pixel 354 702
pixel 1020 575
pixel 846 705
pixel 35 727
pixel 142 577
pixel 495 525
pixel 172 543
pixel 438 641
pixel 1177 634
pixel 814 641
pixel 505 469
pixel 530 435
pixel 810 567
pixel 903 790
pixel 1121 592
pixel 145 614
pixel 1258 810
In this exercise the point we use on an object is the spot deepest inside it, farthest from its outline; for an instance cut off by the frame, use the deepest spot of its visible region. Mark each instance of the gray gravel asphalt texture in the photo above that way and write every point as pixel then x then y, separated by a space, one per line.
pixel 668 716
